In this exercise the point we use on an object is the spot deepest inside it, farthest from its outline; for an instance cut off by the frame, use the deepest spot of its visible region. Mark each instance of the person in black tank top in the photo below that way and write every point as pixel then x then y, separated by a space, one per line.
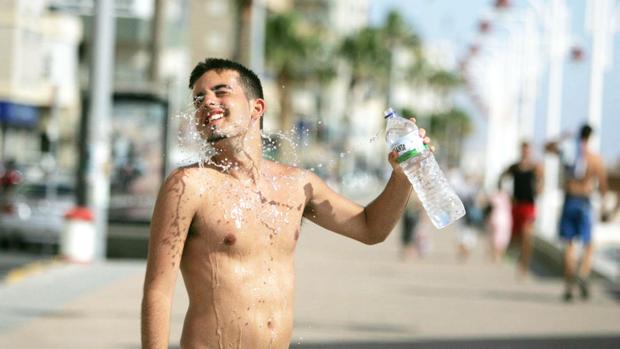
pixel 527 183
pixel 524 183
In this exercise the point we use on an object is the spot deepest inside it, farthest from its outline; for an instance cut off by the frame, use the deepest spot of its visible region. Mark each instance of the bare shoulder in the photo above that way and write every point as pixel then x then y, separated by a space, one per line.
pixel 297 180
pixel 188 181
pixel 596 161
pixel 287 173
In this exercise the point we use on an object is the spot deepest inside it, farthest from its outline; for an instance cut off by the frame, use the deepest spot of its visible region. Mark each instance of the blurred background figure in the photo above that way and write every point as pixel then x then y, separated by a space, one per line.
pixel 526 176
pixel 423 235
pixel 583 173
pixel 498 223
pixel 408 229
pixel 10 177
pixel 466 228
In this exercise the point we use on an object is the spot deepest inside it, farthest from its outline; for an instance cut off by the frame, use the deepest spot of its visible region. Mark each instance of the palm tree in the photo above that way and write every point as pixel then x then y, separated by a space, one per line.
pixel 449 128
pixel 369 53
pixel 290 58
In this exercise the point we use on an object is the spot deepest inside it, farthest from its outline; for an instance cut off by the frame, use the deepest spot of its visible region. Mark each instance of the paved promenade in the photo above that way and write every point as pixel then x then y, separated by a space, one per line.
pixel 348 296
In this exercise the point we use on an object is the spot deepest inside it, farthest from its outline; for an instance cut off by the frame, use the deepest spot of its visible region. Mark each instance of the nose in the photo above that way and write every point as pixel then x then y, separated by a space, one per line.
pixel 210 101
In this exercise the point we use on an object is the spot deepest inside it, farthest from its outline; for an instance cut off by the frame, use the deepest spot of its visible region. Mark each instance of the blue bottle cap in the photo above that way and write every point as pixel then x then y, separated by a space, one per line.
pixel 388 113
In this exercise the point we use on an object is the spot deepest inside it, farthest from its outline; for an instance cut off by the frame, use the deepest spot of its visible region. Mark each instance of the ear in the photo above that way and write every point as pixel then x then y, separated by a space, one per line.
pixel 258 108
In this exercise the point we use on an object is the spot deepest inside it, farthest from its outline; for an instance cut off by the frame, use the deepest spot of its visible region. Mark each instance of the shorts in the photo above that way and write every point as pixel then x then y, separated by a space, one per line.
pixel 522 213
pixel 576 219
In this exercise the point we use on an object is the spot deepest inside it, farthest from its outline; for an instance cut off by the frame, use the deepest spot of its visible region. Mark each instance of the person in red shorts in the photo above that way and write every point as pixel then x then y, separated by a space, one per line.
pixel 527 183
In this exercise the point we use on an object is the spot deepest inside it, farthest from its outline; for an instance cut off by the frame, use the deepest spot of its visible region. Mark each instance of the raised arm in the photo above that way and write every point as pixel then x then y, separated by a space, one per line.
pixel 172 217
pixel 371 224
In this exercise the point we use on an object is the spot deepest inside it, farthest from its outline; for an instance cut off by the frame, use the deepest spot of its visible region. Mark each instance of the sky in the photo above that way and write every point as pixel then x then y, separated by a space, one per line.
pixel 455 23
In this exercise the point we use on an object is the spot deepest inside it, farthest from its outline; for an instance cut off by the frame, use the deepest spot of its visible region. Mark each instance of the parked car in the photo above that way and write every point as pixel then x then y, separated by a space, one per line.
pixel 34 212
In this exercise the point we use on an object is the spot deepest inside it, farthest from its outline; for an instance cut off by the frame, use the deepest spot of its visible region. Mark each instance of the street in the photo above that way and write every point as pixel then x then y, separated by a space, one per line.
pixel 348 295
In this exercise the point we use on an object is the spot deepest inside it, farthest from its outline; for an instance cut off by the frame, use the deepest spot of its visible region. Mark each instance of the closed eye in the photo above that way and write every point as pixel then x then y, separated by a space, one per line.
pixel 222 90
pixel 198 101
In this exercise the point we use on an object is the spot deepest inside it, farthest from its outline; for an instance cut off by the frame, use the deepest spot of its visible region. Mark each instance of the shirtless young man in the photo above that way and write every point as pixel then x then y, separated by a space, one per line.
pixel 576 219
pixel 231 227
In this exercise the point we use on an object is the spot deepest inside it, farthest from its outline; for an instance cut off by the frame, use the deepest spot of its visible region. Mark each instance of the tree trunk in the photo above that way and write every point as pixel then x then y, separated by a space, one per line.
pixel 244 17
pixel 286 107
pixel 286 151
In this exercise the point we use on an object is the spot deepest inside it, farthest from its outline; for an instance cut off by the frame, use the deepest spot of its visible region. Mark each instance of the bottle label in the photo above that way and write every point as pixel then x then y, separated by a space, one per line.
pixel 409 146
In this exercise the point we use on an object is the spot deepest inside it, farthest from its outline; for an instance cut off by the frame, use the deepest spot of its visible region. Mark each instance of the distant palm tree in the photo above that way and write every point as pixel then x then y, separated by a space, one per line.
pixel 291 58
pixel 449 129
pixel 369 53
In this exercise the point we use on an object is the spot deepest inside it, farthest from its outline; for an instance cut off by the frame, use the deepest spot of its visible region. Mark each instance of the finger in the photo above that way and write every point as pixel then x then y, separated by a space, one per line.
pixel 427 140
pixel 432 148
pixel 422 132
pixel 411 118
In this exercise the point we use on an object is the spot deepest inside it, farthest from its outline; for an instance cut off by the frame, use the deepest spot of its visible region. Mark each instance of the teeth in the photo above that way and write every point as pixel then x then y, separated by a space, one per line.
pixel 216 117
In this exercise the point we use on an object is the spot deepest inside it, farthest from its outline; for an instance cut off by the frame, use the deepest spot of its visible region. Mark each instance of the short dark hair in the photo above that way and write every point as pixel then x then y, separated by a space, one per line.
pixel 249 80
pixel 585 132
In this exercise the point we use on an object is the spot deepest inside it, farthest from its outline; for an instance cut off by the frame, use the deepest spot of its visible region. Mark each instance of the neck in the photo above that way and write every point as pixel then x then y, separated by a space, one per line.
pixel 239 156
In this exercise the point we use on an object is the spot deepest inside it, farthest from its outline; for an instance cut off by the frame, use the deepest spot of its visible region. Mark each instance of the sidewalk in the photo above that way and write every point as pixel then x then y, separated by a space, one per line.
pixel 346 293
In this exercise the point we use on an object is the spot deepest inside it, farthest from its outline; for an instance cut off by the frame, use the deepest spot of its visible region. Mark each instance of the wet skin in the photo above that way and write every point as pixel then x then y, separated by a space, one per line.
pixel 237 261
pixel 231 227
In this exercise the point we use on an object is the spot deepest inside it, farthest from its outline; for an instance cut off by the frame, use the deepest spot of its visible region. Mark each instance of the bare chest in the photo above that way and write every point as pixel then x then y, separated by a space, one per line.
pixel 241 220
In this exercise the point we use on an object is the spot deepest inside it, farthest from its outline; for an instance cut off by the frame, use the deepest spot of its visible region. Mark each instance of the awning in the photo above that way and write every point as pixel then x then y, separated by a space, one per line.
pixel 18 115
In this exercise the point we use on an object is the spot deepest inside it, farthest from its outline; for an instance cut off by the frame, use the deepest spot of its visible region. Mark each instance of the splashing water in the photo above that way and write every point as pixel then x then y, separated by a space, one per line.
pixel 374 138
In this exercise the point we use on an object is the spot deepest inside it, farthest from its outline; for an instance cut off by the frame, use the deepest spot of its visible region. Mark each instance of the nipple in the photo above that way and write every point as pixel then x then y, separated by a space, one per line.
pixel 230 239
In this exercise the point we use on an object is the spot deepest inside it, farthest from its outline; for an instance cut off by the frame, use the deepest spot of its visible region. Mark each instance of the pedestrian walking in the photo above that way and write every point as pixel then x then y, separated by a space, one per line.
pixel 527 177
pixel 584 172
pixel 408 229
pixel 499 223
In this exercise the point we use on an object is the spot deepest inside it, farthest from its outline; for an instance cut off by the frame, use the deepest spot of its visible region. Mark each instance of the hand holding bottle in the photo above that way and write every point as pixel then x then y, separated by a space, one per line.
pixel 411 152
pixel 393 155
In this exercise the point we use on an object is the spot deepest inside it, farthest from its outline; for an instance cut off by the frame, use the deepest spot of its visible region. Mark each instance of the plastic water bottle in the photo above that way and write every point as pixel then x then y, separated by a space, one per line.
pixel 440 201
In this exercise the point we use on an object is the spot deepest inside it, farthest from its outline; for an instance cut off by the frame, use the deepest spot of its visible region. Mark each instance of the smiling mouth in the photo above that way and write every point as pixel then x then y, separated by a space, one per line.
pixel 213 115
pixel 216 138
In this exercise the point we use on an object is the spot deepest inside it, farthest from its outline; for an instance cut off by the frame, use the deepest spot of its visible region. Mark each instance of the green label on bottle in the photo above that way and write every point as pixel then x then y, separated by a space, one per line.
pixel 408 146
pixel 409 154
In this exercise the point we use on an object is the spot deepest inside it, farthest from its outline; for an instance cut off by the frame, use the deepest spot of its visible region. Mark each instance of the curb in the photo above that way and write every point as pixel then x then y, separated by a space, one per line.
pixel 554 256
pixel 20 273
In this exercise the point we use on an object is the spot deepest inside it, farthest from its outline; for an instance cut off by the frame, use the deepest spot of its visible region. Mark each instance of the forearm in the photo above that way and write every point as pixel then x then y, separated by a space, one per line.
pixel 383 213
pixel 155 322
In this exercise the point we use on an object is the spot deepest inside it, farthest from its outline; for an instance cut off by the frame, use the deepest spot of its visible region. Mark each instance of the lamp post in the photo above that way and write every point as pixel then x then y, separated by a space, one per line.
pixel 600 23
pixel 98 178
pixel 556 25
pixel 257 42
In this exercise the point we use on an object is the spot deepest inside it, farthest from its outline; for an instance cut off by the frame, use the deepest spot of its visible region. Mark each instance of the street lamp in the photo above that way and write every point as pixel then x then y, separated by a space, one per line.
pixel 600 17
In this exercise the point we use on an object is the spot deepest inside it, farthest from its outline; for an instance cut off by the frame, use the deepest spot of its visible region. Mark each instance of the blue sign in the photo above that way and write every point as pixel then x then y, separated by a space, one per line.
pixel 18 115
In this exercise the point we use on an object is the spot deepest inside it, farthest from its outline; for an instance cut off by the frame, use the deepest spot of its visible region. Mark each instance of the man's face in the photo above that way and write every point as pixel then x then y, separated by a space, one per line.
pixel 526 151
pixel 222 108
